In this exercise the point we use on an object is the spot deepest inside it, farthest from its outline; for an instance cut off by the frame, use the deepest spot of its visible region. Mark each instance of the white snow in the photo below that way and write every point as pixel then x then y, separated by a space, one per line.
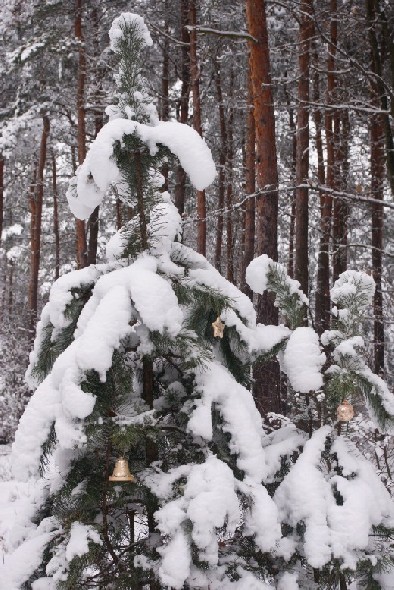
pixel 136 21
pixel 257 277
pixel 99 170
pixel 241 417
pixel 303 360
pixel 80 535
pixel 350 283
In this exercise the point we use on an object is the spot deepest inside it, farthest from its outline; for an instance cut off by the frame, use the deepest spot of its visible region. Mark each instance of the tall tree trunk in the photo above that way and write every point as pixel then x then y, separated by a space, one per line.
pixel 93 221
pixel 229 190
pixel 195 84
pixel 323 271
pixel 222 169
pixel 341 208
pixel 302 148
pixel 1 194
pixel 267 382
pixel 55 217
pixel 165 77
pixel 36 199
pixel 81 246
pixel 184 106
pixel 377 135
pixel 293 134
pixel 250 189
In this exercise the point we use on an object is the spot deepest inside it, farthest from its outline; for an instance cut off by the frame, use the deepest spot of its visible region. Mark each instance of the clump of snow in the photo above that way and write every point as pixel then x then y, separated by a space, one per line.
pixel 80 535
pixel 257 277
pixel 240 415
pixel 303 360
pixel 309 495
pixel 350 283
pixel 128 19
pixel 99 169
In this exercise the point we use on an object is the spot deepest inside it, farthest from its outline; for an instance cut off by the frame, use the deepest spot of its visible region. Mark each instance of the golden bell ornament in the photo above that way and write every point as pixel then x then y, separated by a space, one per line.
pixel 345 411
pixel 121 471
pixel 218 328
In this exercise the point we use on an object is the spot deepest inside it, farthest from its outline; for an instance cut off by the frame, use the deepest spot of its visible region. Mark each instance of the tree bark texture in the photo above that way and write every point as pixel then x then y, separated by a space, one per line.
pixel 267 377
pixel 81 244
pixel 195 84
pixel 184 100
pixel 36 199
pixel 1 194
pixel 302 148
pixel 377 136
pixel 229 188
pixel 250 189
pixel 341 208
pixel 222 169
pixel 55 217
pixel 323 271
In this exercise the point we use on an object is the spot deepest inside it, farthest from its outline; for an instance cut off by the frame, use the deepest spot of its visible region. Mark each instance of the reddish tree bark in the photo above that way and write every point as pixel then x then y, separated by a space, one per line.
pixel 293 132
pixel 341 208
pixel 1 194
pixel 55 217
pixel 267 382
pixel 222 169
pixel 323 271
pixel 195 85
pixel 302 147
pixel 229 190
pixel 36 199
pixel 81 245
pixel 250 188
pixel 93 221
pixel 377 137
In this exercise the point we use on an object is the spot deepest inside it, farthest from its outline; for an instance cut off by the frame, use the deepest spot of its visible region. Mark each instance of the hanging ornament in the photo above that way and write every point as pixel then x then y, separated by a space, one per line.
pixel 345 411
pixel 121 471
pixel 218 328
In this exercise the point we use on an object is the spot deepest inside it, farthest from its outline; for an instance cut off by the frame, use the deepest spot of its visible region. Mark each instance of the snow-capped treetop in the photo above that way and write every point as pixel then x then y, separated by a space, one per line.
pixel 351 283
pixel 116 32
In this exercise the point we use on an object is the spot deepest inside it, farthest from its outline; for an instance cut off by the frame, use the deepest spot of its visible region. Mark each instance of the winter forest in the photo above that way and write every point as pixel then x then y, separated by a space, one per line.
pixel 196 300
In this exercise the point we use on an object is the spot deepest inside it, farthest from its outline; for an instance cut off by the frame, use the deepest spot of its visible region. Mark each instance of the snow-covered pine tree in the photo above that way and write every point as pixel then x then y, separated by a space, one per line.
pixel 337 517
pixel 126 364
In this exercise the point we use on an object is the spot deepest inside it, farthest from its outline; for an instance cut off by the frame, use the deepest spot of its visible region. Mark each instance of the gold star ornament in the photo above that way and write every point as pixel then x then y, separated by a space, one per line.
pixel 218 328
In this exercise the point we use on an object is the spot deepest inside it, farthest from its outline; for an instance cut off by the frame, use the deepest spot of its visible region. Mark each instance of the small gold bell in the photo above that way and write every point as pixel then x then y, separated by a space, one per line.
pixel 218 328
pixel 345 411
pixel 121 471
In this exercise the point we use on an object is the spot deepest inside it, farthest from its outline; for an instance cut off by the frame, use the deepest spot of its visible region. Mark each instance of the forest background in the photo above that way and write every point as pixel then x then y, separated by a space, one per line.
pixel 295 100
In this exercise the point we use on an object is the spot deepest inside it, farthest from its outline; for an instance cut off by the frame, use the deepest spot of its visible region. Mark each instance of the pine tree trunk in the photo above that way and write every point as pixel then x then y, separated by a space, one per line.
pixel 229 191
pixel 165 105
pixel 222 170
pixel 81 245
pixel 377 136
pixel 250 189
pixel 93 221
pixel 267 382
pixel 341 208
pixel 184 101
pixel 36 199
pixel 302 148
pixel 55 217
pixel 1 195
pixel 195 84
pixel 323 272
pixel 293 133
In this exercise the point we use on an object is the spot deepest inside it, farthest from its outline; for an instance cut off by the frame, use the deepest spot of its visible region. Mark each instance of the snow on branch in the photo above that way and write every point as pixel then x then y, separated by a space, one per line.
pixel 99 170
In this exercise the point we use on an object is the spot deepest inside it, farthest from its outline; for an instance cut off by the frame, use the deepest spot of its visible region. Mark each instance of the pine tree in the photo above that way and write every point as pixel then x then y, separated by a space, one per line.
pixel 148 358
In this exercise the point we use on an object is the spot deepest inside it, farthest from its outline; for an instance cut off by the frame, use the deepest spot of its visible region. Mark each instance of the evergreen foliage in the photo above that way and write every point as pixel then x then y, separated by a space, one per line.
pixel 127 366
